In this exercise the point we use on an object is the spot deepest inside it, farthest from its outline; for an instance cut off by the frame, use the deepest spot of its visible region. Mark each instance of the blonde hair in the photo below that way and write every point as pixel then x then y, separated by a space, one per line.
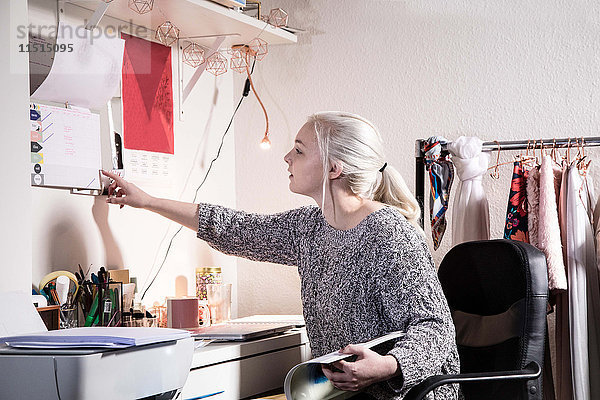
pixel 356 145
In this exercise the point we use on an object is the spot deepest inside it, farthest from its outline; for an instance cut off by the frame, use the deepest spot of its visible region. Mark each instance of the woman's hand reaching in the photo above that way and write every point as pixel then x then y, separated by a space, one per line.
pixel 368 368
pixel 125 193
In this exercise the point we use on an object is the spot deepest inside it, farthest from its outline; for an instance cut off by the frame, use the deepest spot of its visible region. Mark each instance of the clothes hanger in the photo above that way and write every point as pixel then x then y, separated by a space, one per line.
pixel 553 152
pixel 495 174
pixel 582 163
pixel 525 159
pixel 566 160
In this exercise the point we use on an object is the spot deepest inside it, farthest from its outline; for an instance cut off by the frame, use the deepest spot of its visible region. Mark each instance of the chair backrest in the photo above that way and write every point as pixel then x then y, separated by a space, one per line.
pixel 497 291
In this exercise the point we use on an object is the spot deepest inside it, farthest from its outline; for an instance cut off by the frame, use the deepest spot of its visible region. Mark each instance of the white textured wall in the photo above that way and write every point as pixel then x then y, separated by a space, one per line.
pixel 499 70
pixel 71 229
pixel 15 209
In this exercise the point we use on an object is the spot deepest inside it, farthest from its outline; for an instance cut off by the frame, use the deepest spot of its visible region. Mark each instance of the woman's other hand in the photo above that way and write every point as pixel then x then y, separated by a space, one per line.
pixel 125 193
pixel 368 368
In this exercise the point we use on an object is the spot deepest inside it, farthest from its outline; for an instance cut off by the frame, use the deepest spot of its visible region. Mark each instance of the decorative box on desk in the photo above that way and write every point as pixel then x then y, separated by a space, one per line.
pixel 50 316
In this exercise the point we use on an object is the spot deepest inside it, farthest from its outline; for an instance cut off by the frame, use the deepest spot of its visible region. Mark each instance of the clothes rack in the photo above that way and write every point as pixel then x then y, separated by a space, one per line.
pixel 534 144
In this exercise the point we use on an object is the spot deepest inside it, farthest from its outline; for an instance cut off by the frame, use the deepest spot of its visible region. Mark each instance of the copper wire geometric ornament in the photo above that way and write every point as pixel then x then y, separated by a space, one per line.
pixel 278 18
pixel 167 33
pixel 258 48
pixel 193 55
pixel 239 60
pixel 216 64
pixel 141 6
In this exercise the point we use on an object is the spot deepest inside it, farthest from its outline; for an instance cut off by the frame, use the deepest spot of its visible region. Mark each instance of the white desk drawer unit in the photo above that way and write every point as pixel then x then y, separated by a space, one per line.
pixel 243 369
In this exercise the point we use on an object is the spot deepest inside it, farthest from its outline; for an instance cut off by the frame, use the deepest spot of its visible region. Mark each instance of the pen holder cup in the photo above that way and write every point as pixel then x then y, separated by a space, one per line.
pixel 69 318
pixel 102 304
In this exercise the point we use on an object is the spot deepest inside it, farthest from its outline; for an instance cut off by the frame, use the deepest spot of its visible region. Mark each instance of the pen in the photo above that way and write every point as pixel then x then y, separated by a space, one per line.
pixel 89 320
pixel 106 309
pixel 206 395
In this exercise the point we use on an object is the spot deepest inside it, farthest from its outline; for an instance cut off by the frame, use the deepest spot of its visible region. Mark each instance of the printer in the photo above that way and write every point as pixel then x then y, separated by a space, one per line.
pixel 154 371
pixel 88 363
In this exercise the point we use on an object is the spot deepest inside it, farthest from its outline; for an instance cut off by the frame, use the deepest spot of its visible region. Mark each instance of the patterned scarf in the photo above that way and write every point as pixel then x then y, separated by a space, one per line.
pixel 516 213
pixel 441 175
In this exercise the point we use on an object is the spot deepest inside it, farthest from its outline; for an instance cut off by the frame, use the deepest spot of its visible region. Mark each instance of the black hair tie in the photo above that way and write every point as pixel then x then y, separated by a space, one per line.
pixel 382 168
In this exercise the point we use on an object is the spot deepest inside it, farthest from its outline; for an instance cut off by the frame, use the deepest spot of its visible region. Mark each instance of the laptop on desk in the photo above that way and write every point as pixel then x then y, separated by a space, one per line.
pixel 239 331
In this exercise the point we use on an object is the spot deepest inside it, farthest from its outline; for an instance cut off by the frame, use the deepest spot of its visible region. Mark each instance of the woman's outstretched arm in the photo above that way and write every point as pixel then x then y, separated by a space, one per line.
pixel 126 193
pixel 271 237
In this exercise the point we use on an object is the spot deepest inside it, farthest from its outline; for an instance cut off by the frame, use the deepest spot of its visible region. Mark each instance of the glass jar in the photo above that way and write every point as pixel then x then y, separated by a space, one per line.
pixel 203 313
pixel 206 276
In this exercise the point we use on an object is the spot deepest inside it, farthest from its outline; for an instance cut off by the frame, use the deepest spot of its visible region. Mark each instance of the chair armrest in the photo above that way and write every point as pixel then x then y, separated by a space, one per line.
pixel 418 392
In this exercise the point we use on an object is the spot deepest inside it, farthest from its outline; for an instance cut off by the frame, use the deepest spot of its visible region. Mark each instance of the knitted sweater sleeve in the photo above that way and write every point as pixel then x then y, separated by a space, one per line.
pixel 412 297
pixel 271 238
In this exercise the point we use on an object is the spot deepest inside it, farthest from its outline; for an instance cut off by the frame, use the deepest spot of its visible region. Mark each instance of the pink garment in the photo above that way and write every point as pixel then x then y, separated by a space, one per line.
pixel 533 203
pixel 548 238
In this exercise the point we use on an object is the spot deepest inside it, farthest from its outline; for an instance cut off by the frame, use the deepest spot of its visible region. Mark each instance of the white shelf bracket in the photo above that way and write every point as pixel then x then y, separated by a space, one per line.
pixel 198 73
pixel 97 16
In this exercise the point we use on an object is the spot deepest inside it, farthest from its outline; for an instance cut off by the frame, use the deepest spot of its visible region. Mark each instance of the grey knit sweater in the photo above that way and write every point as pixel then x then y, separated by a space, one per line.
pixel 357 284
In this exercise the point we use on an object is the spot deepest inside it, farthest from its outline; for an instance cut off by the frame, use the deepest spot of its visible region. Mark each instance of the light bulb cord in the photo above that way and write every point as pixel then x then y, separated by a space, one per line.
pixel 259 101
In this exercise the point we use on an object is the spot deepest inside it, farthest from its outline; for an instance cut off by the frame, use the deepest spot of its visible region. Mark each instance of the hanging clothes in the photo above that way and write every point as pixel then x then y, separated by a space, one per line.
pixel 549 241
pixel 515 227
pixel 533 204
pixel 564 381
pixel 593 299
pixel 441 175
pixel 581 259
pixel 470 214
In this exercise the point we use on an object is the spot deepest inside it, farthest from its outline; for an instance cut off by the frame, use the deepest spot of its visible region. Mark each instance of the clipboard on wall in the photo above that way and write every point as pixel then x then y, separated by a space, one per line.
pixel 66 143
pixel 65 147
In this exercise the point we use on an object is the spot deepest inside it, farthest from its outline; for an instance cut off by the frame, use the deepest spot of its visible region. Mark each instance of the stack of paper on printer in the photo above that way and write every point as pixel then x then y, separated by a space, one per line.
pixel 99 337
pixel 307 381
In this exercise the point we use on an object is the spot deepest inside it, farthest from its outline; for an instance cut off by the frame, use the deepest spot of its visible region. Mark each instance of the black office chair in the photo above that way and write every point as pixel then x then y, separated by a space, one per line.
pixel 497 291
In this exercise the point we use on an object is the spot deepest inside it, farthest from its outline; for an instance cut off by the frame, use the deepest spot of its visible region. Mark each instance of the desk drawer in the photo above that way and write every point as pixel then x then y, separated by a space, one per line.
pixel 243 377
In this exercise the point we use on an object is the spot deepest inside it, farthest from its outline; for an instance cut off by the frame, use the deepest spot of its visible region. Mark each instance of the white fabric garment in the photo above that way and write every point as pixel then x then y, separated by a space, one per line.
pixel 583 289
pixel 548 228
pixel 470 213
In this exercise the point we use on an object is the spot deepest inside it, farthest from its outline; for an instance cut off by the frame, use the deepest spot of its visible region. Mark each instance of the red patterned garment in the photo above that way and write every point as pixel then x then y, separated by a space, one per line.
pixel 516 213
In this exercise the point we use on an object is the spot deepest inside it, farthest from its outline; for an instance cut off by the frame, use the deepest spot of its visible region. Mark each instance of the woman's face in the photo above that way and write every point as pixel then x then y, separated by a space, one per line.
pixel 304 164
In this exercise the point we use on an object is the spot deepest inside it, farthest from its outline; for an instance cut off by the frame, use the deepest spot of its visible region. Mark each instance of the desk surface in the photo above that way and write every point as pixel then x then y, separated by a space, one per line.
pixel 218 352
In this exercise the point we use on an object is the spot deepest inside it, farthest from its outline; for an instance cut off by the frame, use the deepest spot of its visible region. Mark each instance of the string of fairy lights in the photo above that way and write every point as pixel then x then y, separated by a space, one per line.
pixel 216 63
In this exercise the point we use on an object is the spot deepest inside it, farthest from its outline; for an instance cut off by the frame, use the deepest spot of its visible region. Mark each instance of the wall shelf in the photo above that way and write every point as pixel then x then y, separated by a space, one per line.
pixel 195 18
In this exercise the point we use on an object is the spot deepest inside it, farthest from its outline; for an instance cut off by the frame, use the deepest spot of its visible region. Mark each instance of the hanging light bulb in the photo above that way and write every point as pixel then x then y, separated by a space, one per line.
pixel 193 55
pixel 278 18
pixel 167 33
pixel 265 143
pixel 141 6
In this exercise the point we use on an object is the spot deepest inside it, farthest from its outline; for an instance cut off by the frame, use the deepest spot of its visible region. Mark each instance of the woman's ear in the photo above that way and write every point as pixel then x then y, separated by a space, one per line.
pixel 335 171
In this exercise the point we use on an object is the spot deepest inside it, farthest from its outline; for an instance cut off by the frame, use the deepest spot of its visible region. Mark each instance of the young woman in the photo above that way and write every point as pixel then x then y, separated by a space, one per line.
pixel 364 265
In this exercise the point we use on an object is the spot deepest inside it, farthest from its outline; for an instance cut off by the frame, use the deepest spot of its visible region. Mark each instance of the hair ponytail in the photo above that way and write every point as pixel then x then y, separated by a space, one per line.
pixel 393 191
pixel 355 143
